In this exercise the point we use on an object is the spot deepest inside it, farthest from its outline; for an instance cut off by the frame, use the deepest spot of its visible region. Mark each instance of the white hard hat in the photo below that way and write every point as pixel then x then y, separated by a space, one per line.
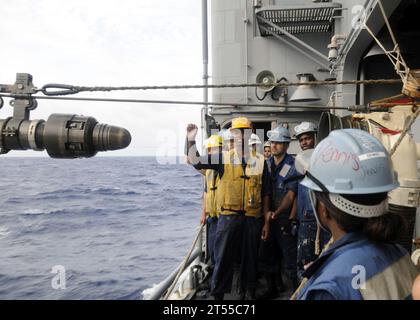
pixel 226 134
pixel 351 161
pixel 254 139
pixel 305 127
pixel 267 144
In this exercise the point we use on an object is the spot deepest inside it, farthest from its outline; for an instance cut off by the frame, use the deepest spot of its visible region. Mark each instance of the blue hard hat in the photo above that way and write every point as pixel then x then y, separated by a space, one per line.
pixel 279 134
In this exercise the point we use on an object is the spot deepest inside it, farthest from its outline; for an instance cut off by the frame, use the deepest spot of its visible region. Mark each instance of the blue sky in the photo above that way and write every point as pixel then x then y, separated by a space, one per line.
pixel 108 42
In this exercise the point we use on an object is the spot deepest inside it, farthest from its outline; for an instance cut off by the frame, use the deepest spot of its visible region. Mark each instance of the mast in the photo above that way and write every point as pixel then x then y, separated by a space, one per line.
pixel 205 65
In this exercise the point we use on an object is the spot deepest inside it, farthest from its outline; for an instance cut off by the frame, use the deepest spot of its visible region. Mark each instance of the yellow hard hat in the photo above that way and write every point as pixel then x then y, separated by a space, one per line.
pixel 214 141
pixel 241 123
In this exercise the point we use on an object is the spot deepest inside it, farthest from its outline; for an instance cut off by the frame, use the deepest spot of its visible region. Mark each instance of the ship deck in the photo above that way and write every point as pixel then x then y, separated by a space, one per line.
pixel 203 293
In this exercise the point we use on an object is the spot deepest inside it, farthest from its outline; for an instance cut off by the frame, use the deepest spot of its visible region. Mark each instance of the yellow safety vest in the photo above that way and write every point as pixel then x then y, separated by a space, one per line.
pixel 240 190
pixel 211 194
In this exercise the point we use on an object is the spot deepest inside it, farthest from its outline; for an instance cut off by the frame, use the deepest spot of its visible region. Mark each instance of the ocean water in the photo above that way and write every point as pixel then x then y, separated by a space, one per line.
pixel 116 225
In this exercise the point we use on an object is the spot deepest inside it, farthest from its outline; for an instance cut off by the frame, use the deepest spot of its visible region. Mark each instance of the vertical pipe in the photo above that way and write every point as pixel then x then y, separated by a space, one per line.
pixel 205 66
pixel 246 21
pixel 205 56
pixel 362 86
pixel 205 90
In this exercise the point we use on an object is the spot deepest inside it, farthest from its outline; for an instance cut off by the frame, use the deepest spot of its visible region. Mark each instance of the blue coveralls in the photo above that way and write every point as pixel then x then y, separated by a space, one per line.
pixel 281 237
pixel 354 268
pixel 307 231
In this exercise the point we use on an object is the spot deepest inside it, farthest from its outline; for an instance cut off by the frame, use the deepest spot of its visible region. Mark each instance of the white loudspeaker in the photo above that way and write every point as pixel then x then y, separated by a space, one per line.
pixel 305 92
pixel 267 80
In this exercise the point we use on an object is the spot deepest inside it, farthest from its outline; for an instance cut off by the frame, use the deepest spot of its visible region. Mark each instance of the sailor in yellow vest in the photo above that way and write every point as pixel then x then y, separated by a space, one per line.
pixel 211 207
pixel 245 190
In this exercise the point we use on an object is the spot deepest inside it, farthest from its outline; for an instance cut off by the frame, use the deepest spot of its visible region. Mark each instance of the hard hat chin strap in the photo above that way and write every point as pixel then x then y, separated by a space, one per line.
pixel 313 200
pixel 358 210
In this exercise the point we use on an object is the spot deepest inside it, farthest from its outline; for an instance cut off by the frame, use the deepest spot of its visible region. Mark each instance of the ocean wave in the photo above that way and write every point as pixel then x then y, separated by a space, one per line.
pixel 14 200
pixel 147 293
pixel 62 191
pixel 146 183
pixel 190 175
pixel 79 193
pixel 8 279
pixel 99 283
pixel 4 232
pixel 61 211
pixel 127 210
pixel 58 196
pixel 36 212
pixel 113 191
pixel 33 212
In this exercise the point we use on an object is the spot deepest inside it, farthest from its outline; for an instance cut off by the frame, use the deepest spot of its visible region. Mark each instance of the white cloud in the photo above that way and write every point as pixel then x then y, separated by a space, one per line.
pixel 94 42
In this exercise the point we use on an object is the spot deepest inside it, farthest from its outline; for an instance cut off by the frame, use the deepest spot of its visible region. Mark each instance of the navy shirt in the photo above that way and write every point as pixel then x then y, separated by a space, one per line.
pixel 282 173
pixel 331 275
pixel 305 211
pixel 283 179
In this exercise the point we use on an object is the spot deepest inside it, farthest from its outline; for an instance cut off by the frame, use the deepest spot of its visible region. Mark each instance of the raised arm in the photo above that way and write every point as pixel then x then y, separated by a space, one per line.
pixel 193 156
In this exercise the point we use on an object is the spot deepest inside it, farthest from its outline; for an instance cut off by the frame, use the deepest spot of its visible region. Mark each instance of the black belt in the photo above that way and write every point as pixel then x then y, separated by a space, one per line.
pixel 240 212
